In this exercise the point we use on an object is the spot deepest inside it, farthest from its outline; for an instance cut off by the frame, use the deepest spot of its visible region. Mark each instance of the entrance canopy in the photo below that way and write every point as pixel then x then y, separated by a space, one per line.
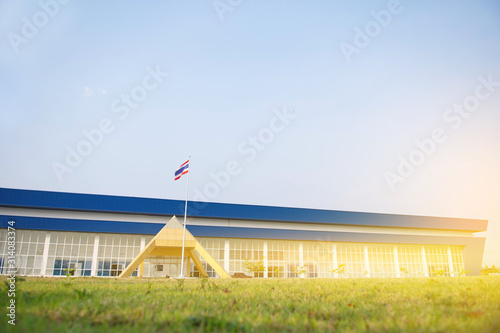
pixel 168 242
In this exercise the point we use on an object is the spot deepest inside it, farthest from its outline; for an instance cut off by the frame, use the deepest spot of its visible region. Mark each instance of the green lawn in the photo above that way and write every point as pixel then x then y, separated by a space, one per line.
pixel 470 304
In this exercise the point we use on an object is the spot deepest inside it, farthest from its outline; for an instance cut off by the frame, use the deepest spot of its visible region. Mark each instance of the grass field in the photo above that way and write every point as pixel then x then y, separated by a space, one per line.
pixel 470 304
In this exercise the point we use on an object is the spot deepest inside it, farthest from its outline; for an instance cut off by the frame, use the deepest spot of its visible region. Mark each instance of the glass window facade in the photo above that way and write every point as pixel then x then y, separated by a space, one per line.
pixel 70 253
pixel 91 254
pixel 29 251
pixel 161 267
pixel 411 262
pixel 283 258
pixel 381 260
pixel 115 252
pixel 352 256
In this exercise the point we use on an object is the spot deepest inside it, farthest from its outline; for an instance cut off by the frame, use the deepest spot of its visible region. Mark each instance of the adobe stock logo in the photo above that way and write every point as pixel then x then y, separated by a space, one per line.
pixel 31 27
pixel 224 6
pixel 363 37
pixel 248 150
pixel 454 118
pixel 94 137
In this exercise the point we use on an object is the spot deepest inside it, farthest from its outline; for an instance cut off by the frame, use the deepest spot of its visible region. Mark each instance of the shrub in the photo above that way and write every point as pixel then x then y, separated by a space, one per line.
pixel 490 270
pixel 253 267
pixel 299 270
pixel 339 270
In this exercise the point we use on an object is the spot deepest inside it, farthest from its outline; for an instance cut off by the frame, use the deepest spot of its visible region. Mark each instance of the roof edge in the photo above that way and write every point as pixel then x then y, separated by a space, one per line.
pixel 154 206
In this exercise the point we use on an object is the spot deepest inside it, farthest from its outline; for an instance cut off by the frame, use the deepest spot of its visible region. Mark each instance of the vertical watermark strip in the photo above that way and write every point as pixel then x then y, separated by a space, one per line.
pixel 11 272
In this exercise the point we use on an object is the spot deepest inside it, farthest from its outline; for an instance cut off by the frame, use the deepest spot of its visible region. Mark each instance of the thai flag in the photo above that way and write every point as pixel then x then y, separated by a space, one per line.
pixel 183 169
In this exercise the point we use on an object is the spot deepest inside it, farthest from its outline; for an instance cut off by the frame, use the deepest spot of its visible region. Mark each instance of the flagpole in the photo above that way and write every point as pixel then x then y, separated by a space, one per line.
pixel 185 214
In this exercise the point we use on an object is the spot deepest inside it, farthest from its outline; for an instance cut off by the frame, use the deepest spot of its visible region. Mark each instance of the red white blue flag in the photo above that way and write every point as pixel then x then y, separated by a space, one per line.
pixel 183 169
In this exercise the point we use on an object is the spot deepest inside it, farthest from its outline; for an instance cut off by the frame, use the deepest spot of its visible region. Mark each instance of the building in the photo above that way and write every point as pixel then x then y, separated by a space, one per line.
pixel 99 235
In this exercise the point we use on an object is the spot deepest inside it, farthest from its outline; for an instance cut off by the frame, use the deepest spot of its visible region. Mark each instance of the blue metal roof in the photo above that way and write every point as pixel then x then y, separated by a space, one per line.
pixel 142 228
pixel 134 205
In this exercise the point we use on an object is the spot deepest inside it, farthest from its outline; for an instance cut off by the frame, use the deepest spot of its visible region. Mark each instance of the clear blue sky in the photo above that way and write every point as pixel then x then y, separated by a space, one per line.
pixel 353 116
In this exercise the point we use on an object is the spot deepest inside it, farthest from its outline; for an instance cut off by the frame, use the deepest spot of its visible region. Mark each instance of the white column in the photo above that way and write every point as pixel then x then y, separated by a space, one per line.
pixel 265 260
pixel 367 262
pixel 396 261
pixel 335 262
pixel 450 263
pixel 424 262
pixel 301 257
pixel 143 245
pixel 226 256
pixel 45 256
pixel 93 268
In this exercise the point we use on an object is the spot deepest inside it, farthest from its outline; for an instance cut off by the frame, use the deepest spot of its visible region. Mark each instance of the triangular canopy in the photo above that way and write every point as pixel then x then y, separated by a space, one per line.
pixel 168 242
